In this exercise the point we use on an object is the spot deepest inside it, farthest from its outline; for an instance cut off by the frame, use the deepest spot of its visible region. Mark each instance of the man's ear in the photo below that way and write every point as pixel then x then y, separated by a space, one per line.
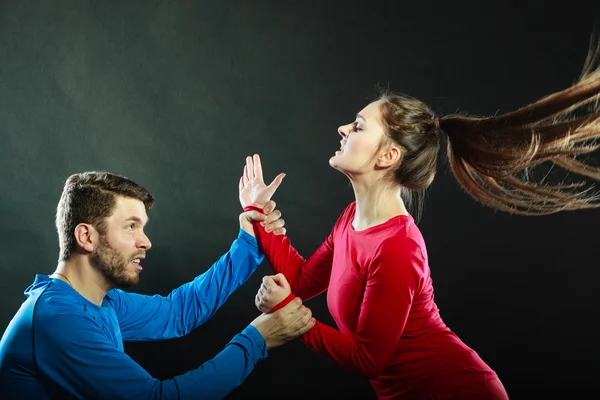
pixel 87 237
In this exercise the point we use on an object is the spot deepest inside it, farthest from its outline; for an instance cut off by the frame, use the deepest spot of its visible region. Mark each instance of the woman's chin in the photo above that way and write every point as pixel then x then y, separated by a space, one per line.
pixel 333 162
pixel 336 164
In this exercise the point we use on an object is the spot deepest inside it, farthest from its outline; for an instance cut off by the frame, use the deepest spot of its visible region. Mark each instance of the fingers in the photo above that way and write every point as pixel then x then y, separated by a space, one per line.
pixel 249 168
pixel 258 302
pixel 270 206
pixel 300 319
pixel 307 315
pixel 280 280
pixel 296 318
pixel 257 216
pixel 260 299
pixel 253 169
pixel 274 225
pixel 272 281
pixel 244 178
pixel 263 291
pixel 257 167
pixel 261 304
pixel 267 281
pixel 280 232
pixel 276 182
pixel 273 216
pixel 254 215
pixel 307 327
pixel 277 280
pixel 269 293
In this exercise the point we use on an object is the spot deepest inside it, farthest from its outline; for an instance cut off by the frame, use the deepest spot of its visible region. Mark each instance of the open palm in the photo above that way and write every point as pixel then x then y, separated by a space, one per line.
pixel 253 191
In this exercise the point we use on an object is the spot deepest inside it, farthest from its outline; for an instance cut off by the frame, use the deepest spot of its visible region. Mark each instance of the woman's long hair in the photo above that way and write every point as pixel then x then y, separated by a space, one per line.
pixel 495 158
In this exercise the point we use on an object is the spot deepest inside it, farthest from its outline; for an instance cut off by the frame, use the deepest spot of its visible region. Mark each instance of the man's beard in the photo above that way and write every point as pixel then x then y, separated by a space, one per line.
pixel 113 265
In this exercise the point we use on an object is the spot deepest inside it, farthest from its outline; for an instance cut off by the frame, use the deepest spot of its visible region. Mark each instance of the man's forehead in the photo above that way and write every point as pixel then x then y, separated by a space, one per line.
pixel 127 207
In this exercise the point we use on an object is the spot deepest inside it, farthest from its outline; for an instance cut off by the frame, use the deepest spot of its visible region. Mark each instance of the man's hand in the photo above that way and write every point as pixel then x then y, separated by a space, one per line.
pixel 272 221
pixel 284 325
pixel 273 290
pixel 253 191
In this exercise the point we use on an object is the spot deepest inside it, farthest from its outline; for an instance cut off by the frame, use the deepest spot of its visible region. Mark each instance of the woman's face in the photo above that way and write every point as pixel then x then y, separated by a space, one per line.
pixel 360 142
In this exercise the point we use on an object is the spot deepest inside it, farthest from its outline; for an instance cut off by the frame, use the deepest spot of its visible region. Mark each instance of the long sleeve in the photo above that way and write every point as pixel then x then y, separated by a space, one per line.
pixel 307 278
pixel 73 351
pixel 189 306
pixel 391 282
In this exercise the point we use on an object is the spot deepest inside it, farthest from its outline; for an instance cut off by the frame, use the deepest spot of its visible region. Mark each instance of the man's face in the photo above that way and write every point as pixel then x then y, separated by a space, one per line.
pixel 123 245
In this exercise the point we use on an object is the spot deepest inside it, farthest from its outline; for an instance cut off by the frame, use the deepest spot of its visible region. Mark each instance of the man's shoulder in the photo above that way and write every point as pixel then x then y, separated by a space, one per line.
pixel 55 305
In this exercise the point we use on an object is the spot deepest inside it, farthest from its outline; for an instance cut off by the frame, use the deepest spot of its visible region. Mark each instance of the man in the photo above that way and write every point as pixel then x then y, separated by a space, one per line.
pixel 66 340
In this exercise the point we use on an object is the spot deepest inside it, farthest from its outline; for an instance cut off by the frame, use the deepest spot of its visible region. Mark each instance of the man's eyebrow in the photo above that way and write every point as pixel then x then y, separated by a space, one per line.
pixel 137 219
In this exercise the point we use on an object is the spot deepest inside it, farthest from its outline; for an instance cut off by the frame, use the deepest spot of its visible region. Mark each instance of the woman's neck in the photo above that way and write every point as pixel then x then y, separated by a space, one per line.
pixel 376 204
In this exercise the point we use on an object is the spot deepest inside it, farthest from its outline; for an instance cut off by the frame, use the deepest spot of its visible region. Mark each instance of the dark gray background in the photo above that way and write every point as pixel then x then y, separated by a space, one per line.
pixel 176 94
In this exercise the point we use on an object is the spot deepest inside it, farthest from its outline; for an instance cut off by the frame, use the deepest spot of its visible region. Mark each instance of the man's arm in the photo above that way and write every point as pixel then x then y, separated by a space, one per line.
pixel 157 317
pixel 74 352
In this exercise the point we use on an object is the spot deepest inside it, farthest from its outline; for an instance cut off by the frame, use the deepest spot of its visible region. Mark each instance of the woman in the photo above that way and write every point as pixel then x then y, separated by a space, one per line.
pixel 374 262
